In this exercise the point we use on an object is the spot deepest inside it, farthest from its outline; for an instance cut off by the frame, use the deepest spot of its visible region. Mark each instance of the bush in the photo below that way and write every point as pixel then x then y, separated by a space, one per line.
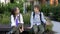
pixel 5 11
pixel 26 18
pixel 53 9
pixel 4 19
pixel 9 6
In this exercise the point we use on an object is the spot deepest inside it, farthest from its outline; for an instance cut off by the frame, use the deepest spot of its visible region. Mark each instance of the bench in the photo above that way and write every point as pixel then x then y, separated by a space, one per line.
pixel 4 28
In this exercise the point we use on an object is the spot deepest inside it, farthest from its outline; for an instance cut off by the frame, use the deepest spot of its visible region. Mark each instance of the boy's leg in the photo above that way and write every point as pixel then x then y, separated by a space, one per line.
pixel 17 32
pixel 35 29
pixel 41 29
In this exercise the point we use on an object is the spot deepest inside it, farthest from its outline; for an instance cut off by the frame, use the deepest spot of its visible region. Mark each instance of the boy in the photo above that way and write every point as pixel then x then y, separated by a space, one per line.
pixel 16 21
pixel 37 20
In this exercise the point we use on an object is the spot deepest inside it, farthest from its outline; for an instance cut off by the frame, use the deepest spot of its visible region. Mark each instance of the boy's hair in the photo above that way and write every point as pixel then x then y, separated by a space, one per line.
pixel 13 10
pixel 37 6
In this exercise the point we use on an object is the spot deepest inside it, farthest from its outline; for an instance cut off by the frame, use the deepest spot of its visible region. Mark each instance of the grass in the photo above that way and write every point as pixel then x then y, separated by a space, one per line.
pixel 26 18
pixel 4 19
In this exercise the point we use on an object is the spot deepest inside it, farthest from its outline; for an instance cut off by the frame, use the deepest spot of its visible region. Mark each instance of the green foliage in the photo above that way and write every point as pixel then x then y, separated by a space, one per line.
pixel 29 8
pixel 53 9
pixel 8 7
pixel 5 11
pixel 4 19
pixel 49 27
pixel 26 18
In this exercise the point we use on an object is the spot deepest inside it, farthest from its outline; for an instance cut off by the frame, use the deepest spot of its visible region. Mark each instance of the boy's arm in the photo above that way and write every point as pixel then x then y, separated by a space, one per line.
pixel 12 21
pixel 21 23
pixel 43 18
pixel 21 19
pixel 31 21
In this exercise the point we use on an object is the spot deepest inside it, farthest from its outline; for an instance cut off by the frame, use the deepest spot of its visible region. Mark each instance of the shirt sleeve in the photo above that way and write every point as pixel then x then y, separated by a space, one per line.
pixel 12 21
pixel 31 20
pixel 43 18
pixel 21 19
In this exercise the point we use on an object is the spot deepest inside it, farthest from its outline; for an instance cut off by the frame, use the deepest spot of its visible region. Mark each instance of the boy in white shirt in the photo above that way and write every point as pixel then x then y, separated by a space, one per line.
pixel 37 21
pixel 16 21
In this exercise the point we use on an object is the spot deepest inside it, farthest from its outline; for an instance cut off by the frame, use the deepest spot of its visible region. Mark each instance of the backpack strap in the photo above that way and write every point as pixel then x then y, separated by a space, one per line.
pixel 33 15
pixel 41 19
pixel 19 17
pixel 44 25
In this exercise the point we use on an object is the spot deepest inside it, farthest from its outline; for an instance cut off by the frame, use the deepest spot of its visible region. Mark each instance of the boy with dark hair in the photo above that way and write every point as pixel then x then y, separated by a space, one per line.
pixel 16 22
pixel 37 20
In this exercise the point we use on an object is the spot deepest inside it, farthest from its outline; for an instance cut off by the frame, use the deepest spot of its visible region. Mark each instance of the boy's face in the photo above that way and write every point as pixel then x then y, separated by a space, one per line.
pixel 17 11
pixel 36 9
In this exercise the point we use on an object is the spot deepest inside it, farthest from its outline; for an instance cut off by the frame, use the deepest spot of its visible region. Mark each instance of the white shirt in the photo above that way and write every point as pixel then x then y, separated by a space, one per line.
pixel 36 19
pixel 13 22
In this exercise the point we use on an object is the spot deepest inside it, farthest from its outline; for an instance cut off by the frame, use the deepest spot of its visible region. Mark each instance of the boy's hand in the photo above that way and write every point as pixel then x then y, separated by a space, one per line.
pixel 21 30
pixel 48 23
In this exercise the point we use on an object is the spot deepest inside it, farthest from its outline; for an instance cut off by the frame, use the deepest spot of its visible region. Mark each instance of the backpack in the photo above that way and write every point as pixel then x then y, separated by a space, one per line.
pixel 43 24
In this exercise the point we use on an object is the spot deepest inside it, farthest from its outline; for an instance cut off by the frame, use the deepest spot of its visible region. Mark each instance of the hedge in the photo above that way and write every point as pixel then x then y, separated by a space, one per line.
pixel 55 10
pixel 9 6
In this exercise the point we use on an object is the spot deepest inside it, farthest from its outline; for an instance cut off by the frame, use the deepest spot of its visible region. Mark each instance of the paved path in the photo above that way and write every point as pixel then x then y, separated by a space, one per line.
pixel 56 27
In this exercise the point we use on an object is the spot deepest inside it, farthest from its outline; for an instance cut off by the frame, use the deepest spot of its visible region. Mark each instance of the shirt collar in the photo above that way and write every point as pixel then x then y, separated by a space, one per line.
pixel 17 16
pixel 38 13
